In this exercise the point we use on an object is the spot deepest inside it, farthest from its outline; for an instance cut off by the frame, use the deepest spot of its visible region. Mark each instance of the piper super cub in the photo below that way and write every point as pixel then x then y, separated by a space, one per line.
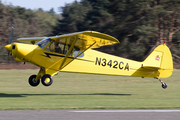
pixel 75 53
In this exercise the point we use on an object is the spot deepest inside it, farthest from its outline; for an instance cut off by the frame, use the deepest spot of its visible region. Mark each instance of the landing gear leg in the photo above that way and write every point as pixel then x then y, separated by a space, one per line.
pixel 164 85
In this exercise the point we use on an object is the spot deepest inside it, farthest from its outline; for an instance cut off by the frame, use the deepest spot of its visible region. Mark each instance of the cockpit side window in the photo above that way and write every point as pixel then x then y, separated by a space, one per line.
pixel 51 47
pixel 78 53
pixel 58 47
pixel 64 48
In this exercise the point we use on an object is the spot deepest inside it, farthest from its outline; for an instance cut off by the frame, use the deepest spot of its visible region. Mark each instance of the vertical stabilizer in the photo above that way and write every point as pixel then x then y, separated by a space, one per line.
pixel 161 59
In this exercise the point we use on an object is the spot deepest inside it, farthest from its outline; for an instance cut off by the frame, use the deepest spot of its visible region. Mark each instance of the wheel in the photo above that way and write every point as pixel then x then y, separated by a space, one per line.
pixel 46 80
pixel 32 82
pixel 164 85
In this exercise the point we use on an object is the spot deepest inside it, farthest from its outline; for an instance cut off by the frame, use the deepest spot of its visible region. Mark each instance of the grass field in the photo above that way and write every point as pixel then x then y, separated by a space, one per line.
pixel 87 91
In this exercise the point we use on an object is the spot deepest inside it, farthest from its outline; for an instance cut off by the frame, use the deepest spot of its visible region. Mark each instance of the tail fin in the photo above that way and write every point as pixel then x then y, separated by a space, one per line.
pixel 161 60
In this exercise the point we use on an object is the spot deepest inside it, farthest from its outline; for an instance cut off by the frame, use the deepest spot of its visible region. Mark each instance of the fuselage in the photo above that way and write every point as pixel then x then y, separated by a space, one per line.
pixel 101 63
pixel 91 61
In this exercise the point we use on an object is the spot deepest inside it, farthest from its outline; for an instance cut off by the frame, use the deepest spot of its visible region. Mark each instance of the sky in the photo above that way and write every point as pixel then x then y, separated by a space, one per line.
pixel 46 5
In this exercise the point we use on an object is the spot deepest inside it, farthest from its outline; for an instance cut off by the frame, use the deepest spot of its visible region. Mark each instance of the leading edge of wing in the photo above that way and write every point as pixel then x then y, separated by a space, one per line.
pixel 89 33
pixel 31 40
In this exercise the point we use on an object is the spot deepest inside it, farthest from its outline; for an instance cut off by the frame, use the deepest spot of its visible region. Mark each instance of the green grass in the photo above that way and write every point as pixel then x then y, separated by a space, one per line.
pixel 87 91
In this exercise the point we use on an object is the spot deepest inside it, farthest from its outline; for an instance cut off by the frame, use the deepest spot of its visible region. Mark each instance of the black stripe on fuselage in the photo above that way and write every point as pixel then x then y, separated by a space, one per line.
pixel 51 54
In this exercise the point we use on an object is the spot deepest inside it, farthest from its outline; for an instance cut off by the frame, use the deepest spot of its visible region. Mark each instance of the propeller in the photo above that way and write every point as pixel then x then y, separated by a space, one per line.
pixel 11 35
pixel 8 47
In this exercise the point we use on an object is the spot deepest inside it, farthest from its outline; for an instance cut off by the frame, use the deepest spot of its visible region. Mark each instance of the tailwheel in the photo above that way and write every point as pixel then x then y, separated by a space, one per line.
pixel 164 85
pixel 32 81
pixel 46 80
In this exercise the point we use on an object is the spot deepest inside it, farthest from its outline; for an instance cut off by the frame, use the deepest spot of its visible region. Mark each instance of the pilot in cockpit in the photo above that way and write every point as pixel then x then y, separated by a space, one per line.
pixel 58 49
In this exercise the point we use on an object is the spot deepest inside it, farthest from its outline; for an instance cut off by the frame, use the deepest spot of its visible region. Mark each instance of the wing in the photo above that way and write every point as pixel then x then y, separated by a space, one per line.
pixel 32 40
pixel 83 40
pixel 86 39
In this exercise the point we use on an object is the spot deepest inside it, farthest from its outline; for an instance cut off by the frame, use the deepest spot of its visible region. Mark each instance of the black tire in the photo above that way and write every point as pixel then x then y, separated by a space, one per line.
pixel 32 82
pixel 164 85
pixel 45 78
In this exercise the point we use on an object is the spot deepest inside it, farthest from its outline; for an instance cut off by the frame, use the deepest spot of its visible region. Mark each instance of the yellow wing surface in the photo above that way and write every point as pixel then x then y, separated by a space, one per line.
pixel 86 39
pixel 83 39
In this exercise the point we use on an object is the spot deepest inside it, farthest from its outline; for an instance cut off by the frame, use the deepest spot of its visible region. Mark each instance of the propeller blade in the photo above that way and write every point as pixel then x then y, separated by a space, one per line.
pixel 11 36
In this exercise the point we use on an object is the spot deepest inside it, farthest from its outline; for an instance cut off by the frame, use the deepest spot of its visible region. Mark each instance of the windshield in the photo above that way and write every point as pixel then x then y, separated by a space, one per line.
pixel 43 42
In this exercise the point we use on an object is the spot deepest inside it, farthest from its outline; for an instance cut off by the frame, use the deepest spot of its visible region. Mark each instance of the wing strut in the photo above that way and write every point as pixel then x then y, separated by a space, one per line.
pixel 69 51
pixel 85 50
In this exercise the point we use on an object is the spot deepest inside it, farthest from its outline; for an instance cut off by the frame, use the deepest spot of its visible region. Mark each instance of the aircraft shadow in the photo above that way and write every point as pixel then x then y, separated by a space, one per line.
pixel 25 95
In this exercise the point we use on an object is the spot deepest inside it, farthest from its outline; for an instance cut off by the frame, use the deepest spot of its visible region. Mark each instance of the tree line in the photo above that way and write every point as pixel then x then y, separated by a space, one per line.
pixel 139 25
pixel 27 23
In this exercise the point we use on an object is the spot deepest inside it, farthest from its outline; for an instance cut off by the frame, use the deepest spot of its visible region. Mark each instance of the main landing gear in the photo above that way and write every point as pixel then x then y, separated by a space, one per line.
pixel 164 85
pixel 32 81
pixel 46 80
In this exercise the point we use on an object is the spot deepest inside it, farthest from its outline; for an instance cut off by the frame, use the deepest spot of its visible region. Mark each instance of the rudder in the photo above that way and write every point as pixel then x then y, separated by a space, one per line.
pixel 161 59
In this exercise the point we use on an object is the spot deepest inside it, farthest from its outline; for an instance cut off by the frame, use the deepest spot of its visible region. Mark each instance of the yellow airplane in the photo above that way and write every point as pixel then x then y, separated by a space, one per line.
pixel 75 53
